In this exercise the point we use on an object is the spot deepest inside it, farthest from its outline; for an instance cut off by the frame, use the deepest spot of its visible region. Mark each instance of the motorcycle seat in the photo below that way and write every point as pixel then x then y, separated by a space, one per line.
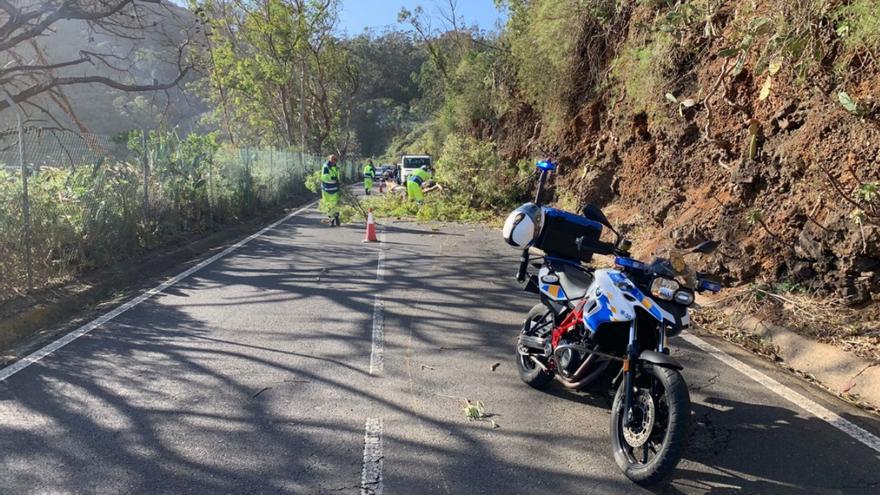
pixel 574 282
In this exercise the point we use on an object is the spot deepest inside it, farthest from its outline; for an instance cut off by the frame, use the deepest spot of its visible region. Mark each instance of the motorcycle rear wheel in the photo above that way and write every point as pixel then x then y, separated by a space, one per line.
pixel 529 372
pixel 662 399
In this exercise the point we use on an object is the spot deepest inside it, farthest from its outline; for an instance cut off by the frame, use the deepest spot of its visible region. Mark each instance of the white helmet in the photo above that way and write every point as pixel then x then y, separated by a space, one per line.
pixel 523 226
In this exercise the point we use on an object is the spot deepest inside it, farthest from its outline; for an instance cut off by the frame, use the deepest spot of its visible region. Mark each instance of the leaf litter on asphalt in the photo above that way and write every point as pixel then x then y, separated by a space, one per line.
pixel 476 411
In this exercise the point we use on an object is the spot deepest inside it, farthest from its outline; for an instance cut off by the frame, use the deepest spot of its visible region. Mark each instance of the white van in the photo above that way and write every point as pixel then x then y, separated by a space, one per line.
pixel 408 163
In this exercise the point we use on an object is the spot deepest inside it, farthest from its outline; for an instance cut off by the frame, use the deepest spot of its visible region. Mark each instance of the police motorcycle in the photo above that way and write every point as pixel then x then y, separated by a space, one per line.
pixel 607 327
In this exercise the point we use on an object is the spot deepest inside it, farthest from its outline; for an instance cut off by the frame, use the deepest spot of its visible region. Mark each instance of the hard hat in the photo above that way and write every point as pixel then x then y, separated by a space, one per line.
pixel 424 167
pixel 523 226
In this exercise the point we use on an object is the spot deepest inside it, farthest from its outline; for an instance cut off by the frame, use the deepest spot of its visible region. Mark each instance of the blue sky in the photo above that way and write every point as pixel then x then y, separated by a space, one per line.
pixel 356 15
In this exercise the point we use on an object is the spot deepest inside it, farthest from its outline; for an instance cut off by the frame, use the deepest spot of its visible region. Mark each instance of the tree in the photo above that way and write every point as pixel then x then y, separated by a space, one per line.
pixel 388 65
pixel 274 64
pixel 31 77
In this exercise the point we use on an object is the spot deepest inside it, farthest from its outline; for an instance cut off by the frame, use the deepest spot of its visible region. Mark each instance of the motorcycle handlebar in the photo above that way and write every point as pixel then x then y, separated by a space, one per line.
pixel 596 247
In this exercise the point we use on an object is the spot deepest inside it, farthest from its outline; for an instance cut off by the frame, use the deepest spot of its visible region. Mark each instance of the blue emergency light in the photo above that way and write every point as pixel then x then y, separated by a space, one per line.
pixel 546 165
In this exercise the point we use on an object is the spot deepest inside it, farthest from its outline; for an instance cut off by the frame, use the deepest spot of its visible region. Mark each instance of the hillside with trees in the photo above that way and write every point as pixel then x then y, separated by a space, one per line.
pixel 756 123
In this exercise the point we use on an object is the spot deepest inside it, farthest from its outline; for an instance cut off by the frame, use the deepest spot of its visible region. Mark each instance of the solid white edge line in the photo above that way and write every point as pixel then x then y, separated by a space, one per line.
pixel 371 476
pixel 821 412
pixel 377 355
pixel 41 353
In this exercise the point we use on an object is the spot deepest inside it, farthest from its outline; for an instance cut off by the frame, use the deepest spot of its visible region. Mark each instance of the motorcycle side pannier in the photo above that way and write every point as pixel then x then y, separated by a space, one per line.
pixel 560 233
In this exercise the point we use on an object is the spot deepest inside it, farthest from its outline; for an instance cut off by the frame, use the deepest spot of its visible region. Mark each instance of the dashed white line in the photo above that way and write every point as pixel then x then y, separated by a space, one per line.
pixel 380 268
pixel 88 327
pixel 377 355
pixel 797 399
pixel 371 476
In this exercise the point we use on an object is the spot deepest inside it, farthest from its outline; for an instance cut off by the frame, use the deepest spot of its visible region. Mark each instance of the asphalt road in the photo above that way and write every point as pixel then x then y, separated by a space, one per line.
pixel 263 373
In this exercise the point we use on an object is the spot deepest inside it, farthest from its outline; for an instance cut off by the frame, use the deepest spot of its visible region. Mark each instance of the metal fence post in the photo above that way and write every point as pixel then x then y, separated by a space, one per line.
pixel 26 206
pixel 211 191
pixel 248 179
pixel 146 165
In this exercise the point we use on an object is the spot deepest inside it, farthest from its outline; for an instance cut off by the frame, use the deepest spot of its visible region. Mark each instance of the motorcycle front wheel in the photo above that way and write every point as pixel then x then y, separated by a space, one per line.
pixel 649 447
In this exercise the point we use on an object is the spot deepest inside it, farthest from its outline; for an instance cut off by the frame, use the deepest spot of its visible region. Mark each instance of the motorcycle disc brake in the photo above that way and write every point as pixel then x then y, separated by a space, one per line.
pixel 638 433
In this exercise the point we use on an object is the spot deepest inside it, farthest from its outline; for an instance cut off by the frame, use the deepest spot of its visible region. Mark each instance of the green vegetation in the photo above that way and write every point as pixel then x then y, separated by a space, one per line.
pixel 858 25
pixel 477 185
pixel 543 37
pixel 437 207
pixel 477 177
pixel 485 105
pixel 92 215
pixel 266 62
pixel 640 69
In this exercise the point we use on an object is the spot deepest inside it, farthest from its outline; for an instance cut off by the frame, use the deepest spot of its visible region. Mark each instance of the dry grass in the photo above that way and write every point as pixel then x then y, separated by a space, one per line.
pixel 716 321
pixel 825 318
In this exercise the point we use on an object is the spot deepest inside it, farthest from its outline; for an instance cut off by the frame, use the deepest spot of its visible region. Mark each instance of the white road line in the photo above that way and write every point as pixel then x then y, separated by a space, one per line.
pixel 797 399
pixel 88 327
pixel 377 356
pixel 380 268
pixel 371 476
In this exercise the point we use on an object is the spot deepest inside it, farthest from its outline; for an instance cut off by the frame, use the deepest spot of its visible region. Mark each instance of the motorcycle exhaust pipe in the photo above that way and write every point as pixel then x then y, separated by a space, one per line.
pixel 584 350
pixel 577 379
pixel 539 364
pixel 592 356
pixel 581 383
pixel 532 342
pixel 568 383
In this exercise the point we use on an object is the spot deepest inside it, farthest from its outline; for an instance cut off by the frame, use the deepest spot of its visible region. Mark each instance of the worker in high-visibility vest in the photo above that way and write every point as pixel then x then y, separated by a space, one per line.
pixel 330 189
pixel 369 176
pixel 414 183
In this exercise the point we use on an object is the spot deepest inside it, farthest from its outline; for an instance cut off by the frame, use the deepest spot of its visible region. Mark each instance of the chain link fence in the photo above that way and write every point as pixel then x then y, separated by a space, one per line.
pixel 71 203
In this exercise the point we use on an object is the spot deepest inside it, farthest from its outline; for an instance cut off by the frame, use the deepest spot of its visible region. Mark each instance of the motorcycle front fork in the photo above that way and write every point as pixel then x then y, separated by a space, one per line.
pixel 629 372
pixel 630 365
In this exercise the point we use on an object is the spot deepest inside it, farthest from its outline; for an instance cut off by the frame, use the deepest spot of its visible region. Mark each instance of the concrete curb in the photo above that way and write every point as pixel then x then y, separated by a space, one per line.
pixel 840 371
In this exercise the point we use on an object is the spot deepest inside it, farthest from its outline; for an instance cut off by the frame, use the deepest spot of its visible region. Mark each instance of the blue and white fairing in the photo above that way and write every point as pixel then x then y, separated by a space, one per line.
pixel 612 297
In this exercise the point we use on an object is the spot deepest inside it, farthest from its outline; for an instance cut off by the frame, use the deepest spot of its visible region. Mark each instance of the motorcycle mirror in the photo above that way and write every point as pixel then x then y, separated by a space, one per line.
pixel 706 247
pixel 592 212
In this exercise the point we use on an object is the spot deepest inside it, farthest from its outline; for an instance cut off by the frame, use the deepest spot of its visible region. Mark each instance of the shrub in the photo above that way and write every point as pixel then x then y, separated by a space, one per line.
pixel 543 37
pixel 86 216
pixel 558 49
pixel 476 176
pixel 640 70
pixel 858 25
pixel 436 207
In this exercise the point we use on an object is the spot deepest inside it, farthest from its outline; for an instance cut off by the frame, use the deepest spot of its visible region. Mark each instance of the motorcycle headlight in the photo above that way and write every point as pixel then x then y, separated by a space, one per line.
pixel 684 297
pixel 664 288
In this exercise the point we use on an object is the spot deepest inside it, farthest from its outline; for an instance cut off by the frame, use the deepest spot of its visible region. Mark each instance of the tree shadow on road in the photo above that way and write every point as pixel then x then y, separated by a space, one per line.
pixel 187 393
pixel 754 448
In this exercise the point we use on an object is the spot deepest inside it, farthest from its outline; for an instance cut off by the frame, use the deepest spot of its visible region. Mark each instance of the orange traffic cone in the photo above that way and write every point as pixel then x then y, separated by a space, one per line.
pixel 371 228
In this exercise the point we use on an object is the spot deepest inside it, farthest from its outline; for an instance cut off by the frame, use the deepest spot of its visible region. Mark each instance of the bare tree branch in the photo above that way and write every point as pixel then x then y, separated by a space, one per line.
pixel 29 74
pixel 67 10
pixel 106 81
